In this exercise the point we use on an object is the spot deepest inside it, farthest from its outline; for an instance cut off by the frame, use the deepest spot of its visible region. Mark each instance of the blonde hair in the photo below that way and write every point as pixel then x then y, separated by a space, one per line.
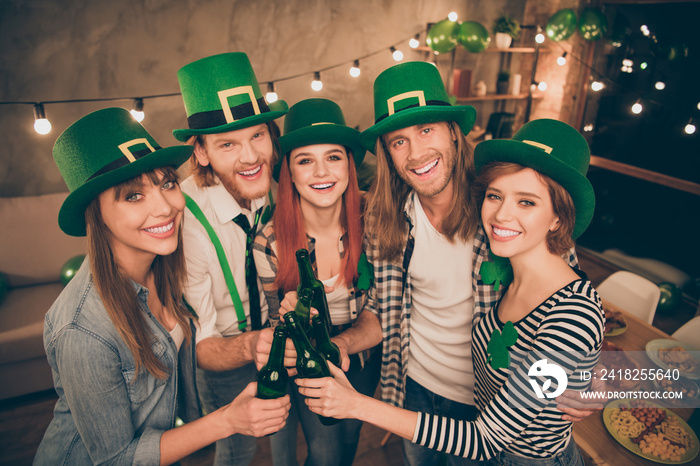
pixel 385 222
pixel 117 291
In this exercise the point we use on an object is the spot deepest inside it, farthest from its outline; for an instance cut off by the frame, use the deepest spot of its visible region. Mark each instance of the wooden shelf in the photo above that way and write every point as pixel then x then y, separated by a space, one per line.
pixel 493 49
pixel 493 97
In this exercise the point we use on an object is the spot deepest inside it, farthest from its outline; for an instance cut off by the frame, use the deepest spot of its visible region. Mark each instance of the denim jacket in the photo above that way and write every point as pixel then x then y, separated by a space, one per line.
pixel 106 413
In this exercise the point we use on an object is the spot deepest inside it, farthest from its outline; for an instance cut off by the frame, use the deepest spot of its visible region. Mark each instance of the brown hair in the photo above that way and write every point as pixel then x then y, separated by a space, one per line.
pixel 117 291
pixel 204 175
pixel 559 241
pixel 387 197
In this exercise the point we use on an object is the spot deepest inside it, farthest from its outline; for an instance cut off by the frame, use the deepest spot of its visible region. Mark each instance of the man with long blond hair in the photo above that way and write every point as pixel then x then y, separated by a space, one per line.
pixel 228 199
pixel 423 238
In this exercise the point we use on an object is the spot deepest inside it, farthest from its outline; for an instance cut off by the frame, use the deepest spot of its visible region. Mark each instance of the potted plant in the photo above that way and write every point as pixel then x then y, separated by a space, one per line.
pixel 506 29
pixel 502 82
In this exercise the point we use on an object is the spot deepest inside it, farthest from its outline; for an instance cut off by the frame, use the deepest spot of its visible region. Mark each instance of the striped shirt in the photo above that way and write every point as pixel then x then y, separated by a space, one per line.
pixel 390 299
pixel 567 330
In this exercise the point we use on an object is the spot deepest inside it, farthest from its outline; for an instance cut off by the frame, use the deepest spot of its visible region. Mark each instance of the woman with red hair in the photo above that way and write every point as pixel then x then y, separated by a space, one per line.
pixel 319 208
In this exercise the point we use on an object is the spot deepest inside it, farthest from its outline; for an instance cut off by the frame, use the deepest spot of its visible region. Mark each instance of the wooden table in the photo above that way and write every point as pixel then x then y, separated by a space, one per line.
pixel 590 434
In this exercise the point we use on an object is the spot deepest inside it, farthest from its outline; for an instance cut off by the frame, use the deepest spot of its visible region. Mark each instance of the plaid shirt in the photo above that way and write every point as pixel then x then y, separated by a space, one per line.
pixel 265 253
pixel 389 298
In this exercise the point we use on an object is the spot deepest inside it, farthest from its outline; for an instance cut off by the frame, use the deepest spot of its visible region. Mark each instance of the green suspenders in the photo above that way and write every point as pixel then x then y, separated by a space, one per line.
pixel 223 262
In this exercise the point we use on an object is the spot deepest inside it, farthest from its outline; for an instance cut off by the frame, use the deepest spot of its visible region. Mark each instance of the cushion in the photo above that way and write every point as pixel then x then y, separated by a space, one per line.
pixel 22 321
pixel 33 248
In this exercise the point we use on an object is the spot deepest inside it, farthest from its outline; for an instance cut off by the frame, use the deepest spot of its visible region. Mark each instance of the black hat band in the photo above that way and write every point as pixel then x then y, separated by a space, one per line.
pixel 123 161
pixel 214 118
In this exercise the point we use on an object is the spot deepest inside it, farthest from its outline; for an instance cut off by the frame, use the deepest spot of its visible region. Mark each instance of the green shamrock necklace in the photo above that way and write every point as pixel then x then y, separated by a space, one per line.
pixel 499 272
pixel 497 349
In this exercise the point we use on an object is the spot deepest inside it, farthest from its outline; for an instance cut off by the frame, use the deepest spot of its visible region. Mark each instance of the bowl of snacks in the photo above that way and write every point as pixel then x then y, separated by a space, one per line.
pixel 685 390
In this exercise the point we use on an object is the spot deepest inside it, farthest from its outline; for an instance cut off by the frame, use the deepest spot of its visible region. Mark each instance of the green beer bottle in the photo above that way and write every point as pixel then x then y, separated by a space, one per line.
pixel 310 363
pixel 272 378
pixel 307 279
pixel 324 345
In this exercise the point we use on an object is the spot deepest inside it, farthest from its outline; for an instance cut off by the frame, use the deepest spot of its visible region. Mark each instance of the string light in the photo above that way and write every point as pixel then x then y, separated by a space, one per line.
pixel 643 65
pixel 690 127
pixel 397 54
pixel 627 65
pixel 271 95
pixel 561 61
pixel 645 30
pixel 539 38
pixel 137 111
pixel 660 85
pixel 452 17
pixel 317 84
pixel 355 69
pixel 415 42
pixel 597 86
pixel 542 86
pixel 637 107
pixel 41 124
pixel 588 128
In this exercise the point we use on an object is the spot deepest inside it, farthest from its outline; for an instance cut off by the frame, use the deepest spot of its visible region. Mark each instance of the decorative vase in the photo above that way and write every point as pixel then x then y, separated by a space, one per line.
pixel 503 40
pixel 480 89
pixel 501 87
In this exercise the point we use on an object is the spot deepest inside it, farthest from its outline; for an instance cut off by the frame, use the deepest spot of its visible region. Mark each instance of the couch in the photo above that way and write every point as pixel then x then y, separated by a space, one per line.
pixel 32 252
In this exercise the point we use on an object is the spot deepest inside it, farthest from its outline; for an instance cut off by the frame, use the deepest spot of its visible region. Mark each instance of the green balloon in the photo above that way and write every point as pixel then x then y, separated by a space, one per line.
pixel 561 25
pixel 70 268
pixel 442 37
pixel 473 36
pixel 592 25
pixel 4 286
pixel 670 297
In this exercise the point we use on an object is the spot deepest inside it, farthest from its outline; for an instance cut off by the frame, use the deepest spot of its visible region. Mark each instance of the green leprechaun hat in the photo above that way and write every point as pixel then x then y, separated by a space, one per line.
pixel 222 94
pixel 413 93
pixel 318 121
pixel 555 149
pixel 101 150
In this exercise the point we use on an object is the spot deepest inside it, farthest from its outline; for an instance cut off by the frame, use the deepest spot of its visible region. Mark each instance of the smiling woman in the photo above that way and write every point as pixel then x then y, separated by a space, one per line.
pixel 318 209
pixel 121 329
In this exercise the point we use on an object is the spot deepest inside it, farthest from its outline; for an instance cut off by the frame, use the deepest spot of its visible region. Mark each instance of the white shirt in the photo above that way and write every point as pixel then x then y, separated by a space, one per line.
pixel 440 357
pixel 338 303
pixel 206 289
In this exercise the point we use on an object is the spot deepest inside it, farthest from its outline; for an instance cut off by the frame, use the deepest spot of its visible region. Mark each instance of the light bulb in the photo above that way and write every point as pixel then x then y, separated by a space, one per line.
pixel 597 86
pixel 690 127
pixel 643 65
pixel 660 85
pixel 542 86
pixel 271 95
pixel 137 111
pixel 317 84
pixel 355 69
pixel 397 54
pixel 414 43
pixel 637 108
pixel 645 29
pixel 539 38
pixel 561 61
pixel 452 16
pixel 588 128
pixel 41 124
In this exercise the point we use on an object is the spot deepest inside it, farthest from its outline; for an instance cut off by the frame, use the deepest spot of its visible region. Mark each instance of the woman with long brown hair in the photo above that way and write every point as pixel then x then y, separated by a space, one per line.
pixel 318 209
pixel 120 338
